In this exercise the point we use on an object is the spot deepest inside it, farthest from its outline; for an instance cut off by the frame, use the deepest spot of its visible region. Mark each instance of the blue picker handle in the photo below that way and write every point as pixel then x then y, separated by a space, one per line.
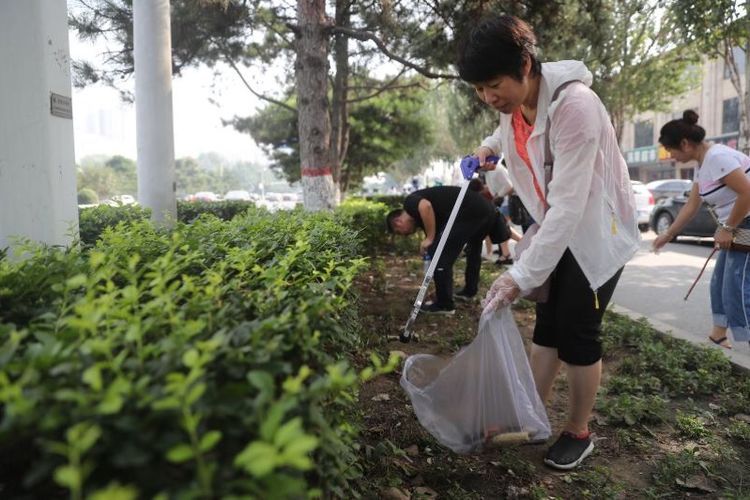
pixel 470 164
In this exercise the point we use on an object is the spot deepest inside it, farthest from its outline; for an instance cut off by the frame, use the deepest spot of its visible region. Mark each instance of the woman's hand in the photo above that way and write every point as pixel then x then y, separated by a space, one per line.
pixel 723 238
pixel 425 245
pixel 502 293
pixel 482 152
pixel 661 240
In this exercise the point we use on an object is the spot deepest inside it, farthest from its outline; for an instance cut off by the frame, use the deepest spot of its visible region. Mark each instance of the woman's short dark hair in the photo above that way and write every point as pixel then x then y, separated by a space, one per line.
pixel 672 133
pixel 495 46
pixel 390 217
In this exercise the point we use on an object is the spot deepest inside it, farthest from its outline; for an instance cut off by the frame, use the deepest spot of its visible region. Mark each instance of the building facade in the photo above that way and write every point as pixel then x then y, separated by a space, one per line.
pixel 715 100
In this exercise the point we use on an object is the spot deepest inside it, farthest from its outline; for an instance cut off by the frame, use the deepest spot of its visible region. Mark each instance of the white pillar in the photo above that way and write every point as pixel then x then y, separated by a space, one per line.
pixel 37 160
pixel 153 108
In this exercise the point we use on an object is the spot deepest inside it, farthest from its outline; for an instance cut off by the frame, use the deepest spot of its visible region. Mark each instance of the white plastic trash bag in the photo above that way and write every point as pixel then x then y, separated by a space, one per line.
pixel 485 394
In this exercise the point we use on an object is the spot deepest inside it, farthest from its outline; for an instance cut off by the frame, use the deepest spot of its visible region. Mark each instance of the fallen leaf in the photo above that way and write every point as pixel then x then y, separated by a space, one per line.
pixel 425 492
pixel 412 450
pixel 381 397
pixel 696 482
pixel 394 493
pixel 742 417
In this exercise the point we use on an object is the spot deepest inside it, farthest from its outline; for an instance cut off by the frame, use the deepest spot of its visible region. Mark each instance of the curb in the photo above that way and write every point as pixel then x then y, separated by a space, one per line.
pixel 737 360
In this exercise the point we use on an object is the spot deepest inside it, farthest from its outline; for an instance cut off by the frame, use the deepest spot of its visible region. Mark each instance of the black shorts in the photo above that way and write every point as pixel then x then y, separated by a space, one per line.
pixel 570 321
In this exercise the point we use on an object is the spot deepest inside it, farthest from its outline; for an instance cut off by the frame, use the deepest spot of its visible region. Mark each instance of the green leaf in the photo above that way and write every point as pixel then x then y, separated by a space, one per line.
pixel 195 393
pixel 93 377
pixel 190 358
pixel 301 446
pixel 272 421
pixel 180 453
pixel 114 491
pixel 259 459
pixel 209 440
pixel 288 432
pixel 76 281
pixel 111 404
pixel 68 476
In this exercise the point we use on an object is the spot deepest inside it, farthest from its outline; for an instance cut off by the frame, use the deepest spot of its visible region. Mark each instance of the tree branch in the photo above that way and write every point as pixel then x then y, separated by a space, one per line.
pixel 364 36
pixel 257 94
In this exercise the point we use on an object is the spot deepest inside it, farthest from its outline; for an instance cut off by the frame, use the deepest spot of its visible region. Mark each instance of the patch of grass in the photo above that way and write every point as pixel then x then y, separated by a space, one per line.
pixel 630 384
pixel 629 438
pixel 673 467
pixel 508 460
pixel 739 431
pixel 629 410
pixel 594 483
pixel 691 426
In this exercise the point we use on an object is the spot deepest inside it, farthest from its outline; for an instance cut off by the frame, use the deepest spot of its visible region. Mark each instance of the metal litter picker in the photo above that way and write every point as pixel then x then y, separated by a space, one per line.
pixel 469 166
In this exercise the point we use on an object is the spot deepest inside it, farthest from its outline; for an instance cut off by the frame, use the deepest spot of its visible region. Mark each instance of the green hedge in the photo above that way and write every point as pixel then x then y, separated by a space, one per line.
pixel 93 221
pixel 209 361
pixel 188 211
pixel 367 218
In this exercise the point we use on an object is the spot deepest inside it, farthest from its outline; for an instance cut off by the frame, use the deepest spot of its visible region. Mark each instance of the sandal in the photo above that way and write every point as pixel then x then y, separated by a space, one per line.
pixel 504 260
pixel 720 342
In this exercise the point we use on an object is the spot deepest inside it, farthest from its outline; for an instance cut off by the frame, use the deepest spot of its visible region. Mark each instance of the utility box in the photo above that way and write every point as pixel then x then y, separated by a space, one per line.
pixel 38 197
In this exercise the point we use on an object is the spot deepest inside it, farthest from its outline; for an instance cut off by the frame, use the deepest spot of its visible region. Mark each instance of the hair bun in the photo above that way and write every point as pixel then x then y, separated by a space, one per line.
pixel 690 117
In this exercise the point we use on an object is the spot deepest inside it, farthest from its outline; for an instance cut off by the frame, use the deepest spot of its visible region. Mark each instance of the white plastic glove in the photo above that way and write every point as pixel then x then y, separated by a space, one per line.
pixel 502 293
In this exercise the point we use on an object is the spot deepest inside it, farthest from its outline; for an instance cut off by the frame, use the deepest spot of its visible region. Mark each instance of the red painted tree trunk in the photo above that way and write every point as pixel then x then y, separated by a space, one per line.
pixel 311 69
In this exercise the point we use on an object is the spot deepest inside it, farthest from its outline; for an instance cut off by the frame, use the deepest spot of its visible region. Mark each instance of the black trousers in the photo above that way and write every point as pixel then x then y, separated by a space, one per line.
pixel 469 234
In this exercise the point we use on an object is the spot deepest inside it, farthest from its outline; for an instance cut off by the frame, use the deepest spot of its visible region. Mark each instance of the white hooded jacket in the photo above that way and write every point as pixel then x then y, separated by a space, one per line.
pixel 591 204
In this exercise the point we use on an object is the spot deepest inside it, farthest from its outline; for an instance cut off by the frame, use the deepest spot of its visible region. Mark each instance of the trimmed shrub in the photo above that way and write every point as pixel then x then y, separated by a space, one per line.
pixel 188 211
pixel 208 361
pixel 93 221
pixel 87 196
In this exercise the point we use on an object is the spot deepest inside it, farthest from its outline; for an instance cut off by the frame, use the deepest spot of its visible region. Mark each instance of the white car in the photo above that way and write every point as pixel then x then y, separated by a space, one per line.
pixel 119 200
pixel 237 195
pixel 644 204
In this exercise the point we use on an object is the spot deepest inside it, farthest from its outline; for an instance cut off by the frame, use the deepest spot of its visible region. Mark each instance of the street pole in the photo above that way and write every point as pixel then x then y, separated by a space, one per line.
pixel 37 158
pixel 153 109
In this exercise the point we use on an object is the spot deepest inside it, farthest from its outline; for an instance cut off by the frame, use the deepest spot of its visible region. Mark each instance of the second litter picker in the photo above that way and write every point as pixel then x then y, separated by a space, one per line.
pixel 469 167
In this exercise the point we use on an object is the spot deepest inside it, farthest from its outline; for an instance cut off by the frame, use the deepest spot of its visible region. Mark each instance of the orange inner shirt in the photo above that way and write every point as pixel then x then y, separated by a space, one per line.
pixel 521 133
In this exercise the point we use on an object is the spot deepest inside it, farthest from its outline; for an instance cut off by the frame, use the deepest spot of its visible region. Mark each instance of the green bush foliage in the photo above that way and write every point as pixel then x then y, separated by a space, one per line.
pixel 204 362
pixel 93 221
pixel 188 211
pixel 367 218
pixel 87 196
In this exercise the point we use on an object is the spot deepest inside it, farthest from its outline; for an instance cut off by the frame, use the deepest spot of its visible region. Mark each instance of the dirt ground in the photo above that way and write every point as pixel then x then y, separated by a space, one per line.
pixel 405 461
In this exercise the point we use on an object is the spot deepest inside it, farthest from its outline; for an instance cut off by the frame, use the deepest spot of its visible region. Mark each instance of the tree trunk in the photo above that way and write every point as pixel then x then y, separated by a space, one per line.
pixel 311 70
pixel 152 53
pixel 339 109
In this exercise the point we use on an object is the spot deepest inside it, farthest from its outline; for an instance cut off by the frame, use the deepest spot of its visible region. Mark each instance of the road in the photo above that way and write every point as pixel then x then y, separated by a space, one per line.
pixel 654 286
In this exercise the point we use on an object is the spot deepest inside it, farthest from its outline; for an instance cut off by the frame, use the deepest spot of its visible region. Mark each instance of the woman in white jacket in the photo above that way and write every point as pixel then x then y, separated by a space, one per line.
pixel 586 212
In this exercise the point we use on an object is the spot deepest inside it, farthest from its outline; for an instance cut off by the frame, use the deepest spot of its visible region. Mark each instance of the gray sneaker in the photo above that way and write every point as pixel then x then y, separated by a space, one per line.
pixel 569 451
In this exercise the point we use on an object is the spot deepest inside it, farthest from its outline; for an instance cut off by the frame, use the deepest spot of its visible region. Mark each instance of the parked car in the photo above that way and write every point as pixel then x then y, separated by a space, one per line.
pixel 238 194
pixel 644 204
pixel 119 200
pixel 205 196
pixel 665 188
pixel 702 225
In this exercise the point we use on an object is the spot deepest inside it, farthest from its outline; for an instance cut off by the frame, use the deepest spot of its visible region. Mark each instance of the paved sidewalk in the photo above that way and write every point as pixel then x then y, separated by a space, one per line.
pixel 653 286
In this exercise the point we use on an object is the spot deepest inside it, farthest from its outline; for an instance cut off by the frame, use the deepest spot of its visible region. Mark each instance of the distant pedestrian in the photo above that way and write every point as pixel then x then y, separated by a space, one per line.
pixel 722 180
pixel 429 210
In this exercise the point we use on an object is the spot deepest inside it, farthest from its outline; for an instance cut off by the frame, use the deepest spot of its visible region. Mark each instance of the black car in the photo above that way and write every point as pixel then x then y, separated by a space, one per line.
pixel 665 212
